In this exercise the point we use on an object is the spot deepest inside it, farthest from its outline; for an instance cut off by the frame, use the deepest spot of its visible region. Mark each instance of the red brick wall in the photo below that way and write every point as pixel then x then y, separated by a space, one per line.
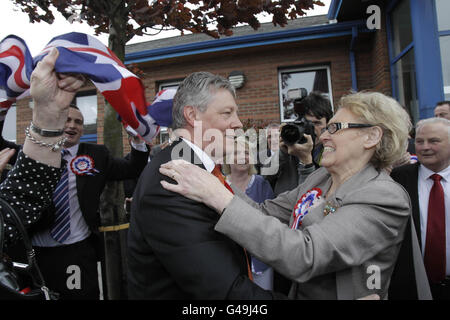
pixel 259 99
pixel 381 66
pixel 23 118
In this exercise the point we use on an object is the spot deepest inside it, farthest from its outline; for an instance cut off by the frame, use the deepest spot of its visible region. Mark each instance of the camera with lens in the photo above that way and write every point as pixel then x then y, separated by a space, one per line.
pixel 294 132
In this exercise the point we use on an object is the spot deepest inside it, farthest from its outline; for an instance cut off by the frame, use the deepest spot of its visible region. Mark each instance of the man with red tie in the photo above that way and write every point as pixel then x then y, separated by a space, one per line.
pixel 428 184
pixel 173 250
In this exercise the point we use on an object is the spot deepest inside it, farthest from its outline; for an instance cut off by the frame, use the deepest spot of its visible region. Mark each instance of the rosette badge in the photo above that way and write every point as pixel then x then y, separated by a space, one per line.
pixel 306 201
pixel 83 165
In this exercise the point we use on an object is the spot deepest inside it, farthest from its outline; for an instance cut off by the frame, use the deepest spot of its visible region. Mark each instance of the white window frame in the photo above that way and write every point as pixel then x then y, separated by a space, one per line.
pixel 302 69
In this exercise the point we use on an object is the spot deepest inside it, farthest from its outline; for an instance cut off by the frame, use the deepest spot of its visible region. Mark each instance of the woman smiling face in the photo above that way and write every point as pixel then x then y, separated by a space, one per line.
pixel 345 150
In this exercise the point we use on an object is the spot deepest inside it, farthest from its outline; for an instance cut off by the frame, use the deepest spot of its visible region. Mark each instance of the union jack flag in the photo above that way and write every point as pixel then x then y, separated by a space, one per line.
pixel 16 65
pixel 84 54
pixel 160 109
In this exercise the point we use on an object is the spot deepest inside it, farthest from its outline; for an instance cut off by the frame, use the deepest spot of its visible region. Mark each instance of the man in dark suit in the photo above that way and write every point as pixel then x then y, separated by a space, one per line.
pixel 432 145
pixel 68 261
pixel 173 250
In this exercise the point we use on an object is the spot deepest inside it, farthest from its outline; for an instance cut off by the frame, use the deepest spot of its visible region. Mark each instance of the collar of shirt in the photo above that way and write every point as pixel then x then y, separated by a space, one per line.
pixel 72 151
pixel 425 173
pixel 205 159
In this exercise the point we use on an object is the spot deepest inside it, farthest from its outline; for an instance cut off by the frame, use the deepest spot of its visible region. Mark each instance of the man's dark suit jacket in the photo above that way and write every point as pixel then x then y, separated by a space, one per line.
pixel 403 282
pixel 173 250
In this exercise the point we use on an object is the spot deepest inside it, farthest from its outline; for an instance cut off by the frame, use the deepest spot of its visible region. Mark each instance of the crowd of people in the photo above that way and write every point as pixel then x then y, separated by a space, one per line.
pixel 339 219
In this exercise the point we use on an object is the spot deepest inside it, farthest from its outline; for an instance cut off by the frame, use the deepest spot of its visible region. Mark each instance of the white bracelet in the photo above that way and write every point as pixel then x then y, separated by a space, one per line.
pixel 54 146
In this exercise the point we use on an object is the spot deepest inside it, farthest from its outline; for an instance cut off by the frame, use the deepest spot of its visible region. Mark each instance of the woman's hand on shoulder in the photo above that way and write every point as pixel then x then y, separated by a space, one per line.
pixel 196 184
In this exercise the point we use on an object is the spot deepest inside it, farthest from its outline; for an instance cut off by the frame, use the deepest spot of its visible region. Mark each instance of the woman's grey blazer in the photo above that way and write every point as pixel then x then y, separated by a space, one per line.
pixel 347 254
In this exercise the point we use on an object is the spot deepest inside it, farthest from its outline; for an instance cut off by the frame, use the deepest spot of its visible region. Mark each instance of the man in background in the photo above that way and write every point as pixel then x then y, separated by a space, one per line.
pixel 442 110
pixel 428 185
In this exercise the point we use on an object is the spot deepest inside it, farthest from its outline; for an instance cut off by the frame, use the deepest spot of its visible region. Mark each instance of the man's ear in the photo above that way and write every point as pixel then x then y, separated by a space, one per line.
pixel 374 135
pixel 190 114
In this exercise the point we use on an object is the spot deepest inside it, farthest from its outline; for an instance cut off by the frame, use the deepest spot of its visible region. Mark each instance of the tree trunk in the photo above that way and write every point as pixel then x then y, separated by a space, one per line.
pixel 112 200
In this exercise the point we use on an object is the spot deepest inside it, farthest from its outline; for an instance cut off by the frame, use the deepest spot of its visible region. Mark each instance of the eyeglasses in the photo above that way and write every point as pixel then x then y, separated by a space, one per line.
pixel 333 127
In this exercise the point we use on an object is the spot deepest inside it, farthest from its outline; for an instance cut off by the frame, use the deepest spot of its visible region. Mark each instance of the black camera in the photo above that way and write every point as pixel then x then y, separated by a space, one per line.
pixel 294 132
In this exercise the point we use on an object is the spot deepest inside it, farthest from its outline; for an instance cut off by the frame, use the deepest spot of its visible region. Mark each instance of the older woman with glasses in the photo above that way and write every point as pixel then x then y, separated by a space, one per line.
pixel 338 234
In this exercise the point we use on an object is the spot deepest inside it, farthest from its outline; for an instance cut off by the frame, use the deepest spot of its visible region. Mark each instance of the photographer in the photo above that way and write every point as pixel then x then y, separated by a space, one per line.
pixel 300 150
pixel 316 109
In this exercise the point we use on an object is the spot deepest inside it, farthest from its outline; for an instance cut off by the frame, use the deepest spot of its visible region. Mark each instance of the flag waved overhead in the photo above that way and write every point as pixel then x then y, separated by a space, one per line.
pixel 83 54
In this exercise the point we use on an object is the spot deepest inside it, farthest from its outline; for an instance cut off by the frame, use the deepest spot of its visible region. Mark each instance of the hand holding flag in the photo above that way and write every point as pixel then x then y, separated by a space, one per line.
pixel 52 93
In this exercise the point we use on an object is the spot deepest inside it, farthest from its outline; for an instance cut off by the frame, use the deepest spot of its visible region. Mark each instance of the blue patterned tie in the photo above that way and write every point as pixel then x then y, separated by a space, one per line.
pixel 61 227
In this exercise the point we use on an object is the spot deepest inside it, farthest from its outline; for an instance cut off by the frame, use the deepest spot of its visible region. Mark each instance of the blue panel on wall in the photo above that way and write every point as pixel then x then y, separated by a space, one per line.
pixel 88 138
pixel 427 56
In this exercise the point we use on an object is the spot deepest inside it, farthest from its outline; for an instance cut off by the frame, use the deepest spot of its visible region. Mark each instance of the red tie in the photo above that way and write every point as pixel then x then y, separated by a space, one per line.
pixel 218 173
pixel 435 238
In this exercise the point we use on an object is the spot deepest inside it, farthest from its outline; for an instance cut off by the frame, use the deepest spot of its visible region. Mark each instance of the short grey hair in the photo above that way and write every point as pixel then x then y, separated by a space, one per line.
pixel 197 90
pixel 434 120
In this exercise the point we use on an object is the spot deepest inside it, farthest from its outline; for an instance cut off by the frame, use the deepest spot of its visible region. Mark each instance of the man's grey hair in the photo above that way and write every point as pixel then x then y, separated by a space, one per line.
pixel 197 90
pixel 432 121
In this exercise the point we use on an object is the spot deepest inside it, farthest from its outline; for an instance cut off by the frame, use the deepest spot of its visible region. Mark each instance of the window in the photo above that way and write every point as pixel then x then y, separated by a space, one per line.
pixel 169 85
pixel 9 127
pixel 401 35
pixel 401 47
pixel 312 79
pixel 445 56
pixel 406 84
pixel 442 10
pixel 86 101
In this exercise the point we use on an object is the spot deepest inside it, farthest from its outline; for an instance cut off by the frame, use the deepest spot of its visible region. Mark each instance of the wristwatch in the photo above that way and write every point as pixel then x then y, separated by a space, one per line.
pixel 46 132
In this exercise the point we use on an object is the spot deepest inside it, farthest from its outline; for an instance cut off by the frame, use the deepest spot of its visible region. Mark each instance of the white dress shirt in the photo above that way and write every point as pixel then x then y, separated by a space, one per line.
pixel 79 230
pixel 206 160
pixel 425 184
